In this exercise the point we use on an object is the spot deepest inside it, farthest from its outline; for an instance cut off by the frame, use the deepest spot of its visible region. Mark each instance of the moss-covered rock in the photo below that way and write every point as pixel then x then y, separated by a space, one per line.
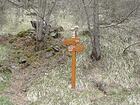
pixel 12 40
pixel 22 34
pixel 25 33
pixel 84 33
pixel 49 49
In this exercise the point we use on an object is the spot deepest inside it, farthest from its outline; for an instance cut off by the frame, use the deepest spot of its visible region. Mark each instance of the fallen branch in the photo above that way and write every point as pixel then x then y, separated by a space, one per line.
pixel 124 51
pixel 15 4
pixel 87 15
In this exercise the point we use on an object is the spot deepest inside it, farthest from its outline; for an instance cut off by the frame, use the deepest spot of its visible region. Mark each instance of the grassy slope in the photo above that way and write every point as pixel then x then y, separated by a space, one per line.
pixel 115 69
pixel 120 73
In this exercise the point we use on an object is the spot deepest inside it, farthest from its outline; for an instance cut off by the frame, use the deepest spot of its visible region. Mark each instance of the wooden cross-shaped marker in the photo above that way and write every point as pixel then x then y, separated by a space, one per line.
pixel 74 46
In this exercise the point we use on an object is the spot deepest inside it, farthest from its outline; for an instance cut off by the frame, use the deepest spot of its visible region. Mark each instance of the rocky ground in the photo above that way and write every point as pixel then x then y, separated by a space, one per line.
pixel 43 77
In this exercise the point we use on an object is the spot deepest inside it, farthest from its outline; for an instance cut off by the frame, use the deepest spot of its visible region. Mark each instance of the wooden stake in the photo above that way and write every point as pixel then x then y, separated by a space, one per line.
pixel 73 71
pixel 74 46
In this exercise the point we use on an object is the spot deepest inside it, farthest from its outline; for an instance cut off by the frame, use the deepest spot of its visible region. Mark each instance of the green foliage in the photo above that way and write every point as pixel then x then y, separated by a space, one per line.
pixel 4 52
pixel 5 101
pixel 49 49
pixel 5 74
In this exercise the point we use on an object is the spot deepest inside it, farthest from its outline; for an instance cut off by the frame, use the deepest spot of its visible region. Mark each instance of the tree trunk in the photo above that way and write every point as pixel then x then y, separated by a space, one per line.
pixel 39 30
pixel 96 52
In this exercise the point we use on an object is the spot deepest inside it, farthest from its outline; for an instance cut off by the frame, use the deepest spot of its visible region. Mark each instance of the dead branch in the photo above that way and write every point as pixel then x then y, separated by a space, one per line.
pixel 89 2
pixel 124 51
pixel 22 6
pixel 87 16
pixel 123 20
pixel 2 3
pixel 15 4
pixel 51 10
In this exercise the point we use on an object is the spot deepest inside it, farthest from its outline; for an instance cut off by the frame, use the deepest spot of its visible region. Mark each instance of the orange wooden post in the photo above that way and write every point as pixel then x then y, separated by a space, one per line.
pixel 73 70
pixel 74 46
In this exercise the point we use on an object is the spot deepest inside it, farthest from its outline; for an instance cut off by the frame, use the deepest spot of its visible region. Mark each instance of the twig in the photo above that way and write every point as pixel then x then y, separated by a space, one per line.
pixel 89 2
pixel 87 16
pixel 50 11
pixel 15 4
pixel 36 13
pixel 122 19
pixel 124 51
pixel 22 6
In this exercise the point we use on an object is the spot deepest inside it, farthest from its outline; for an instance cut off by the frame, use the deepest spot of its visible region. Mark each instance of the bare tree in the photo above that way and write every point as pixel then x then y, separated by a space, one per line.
pixel 43 17
pixel 91 9
pixel 95 32
pixel 43 10
pixel 96 52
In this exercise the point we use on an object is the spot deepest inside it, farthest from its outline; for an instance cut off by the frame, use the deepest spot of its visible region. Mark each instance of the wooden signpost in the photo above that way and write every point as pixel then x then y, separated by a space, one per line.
pixel 74 46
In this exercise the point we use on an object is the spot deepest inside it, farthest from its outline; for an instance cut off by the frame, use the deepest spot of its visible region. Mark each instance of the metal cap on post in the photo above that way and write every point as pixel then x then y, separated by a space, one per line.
pixel 75 31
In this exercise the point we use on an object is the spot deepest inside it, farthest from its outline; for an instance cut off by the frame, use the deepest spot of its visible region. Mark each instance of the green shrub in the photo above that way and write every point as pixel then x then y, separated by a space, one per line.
pixel 5 101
